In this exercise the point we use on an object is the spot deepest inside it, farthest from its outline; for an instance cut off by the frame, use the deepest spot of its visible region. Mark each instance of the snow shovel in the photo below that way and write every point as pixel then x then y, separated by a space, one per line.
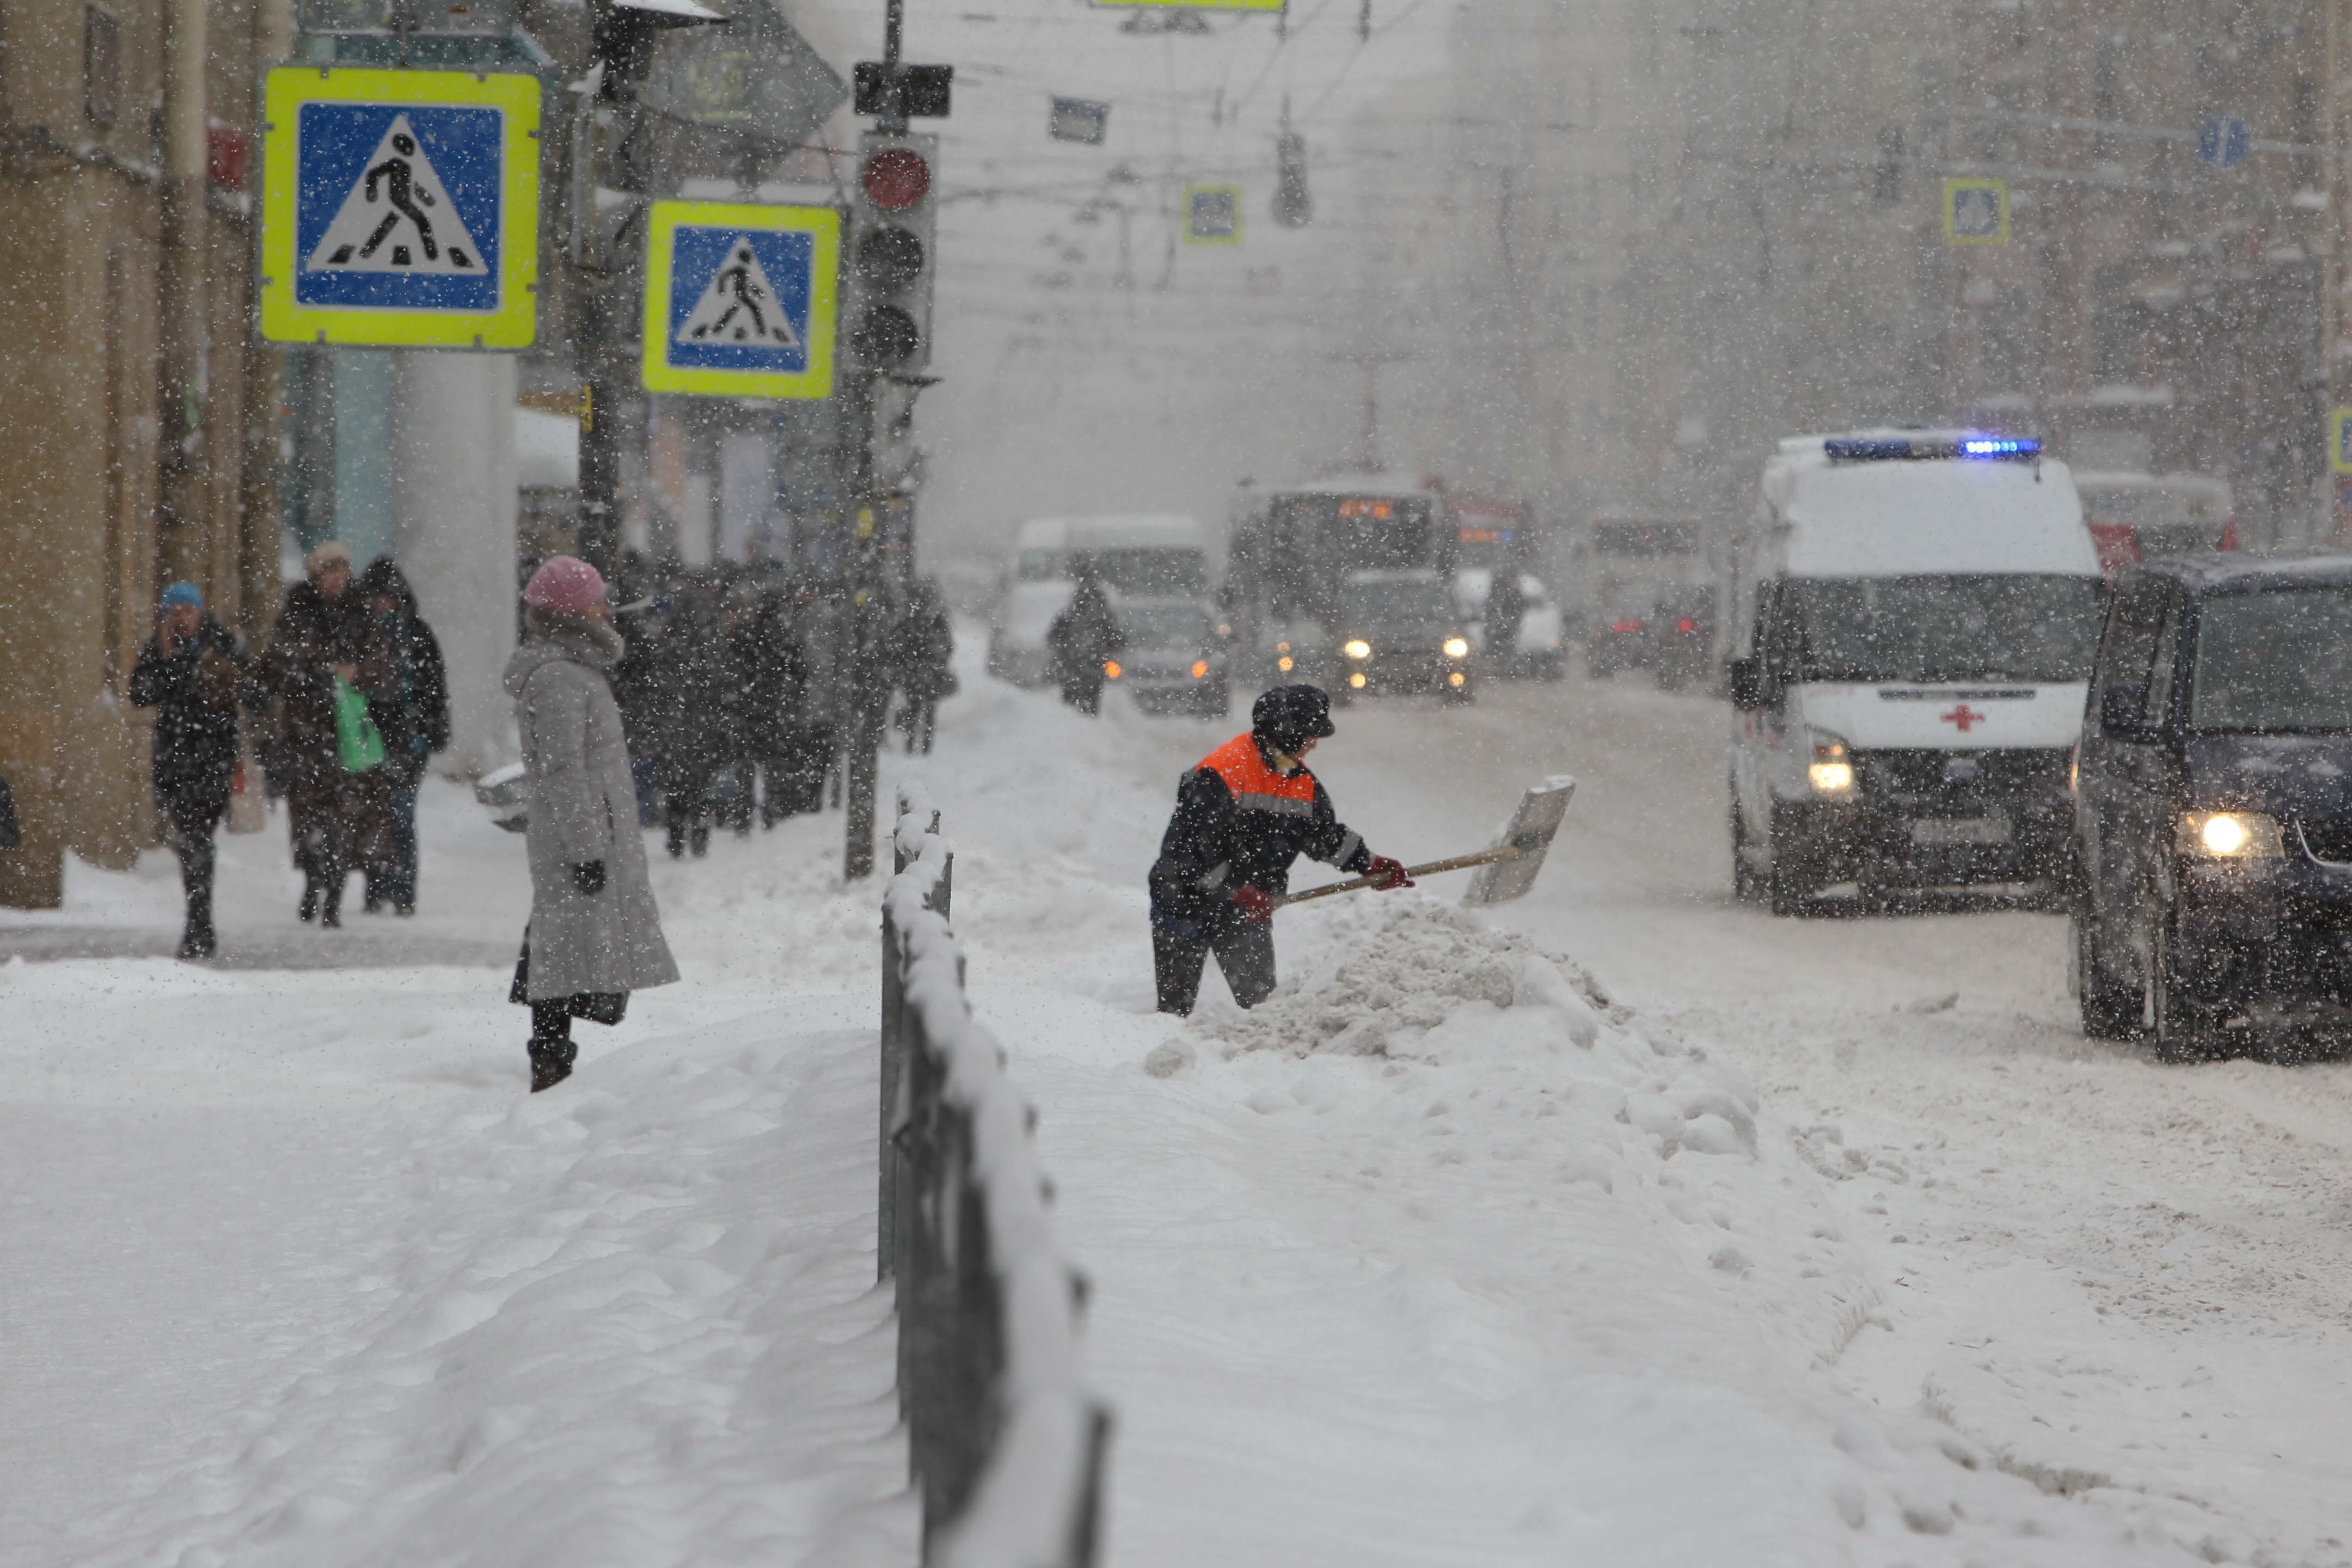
pixel 1507 870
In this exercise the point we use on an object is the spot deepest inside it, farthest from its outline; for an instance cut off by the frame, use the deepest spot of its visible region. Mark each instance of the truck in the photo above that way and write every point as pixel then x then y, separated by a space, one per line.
pixel 1915 617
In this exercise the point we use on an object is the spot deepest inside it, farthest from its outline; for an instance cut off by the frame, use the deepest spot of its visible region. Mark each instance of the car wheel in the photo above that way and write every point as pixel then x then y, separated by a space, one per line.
pixel 2110 1012
pixel 1792 882
pixel 2178 1030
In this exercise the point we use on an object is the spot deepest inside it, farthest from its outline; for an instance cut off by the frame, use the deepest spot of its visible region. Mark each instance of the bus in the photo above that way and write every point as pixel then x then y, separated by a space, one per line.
pixel 1293 549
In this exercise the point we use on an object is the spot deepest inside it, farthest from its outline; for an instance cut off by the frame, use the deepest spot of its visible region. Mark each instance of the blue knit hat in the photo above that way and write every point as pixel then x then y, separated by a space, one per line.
pixel 182 593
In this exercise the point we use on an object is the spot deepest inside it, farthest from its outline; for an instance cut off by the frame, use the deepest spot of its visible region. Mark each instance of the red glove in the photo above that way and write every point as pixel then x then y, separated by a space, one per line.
pixel 1390 872
pixel 1254 906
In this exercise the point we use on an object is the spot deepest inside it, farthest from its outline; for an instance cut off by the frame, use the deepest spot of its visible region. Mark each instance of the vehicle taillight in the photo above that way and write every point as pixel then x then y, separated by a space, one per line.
pixel 1110 668
pixel 1200 667
pixel 1624 626
pixel 2230 534
pixel 1685 625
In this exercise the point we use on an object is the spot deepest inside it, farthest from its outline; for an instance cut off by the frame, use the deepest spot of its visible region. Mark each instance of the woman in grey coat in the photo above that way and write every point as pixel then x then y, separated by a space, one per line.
pixel 594 935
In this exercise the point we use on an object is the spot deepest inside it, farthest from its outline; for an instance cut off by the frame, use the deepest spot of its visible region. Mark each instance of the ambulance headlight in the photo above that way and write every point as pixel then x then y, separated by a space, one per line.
pixel 1830 772
pixel 1358 648
pixel 1457 648
pixel 2231 836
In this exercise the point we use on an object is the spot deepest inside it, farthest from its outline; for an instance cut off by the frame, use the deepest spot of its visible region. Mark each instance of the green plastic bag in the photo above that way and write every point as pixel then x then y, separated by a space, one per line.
pixel 360 740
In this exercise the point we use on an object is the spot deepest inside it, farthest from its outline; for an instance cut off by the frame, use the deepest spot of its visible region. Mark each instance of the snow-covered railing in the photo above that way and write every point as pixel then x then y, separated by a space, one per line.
pixel 1005 1440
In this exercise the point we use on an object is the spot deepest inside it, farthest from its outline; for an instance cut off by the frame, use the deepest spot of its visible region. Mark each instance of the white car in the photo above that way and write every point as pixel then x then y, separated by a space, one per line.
pixel 1542 649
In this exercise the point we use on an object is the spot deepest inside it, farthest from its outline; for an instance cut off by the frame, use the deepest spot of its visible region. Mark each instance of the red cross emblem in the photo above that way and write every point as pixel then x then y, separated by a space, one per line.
pixel 1964 716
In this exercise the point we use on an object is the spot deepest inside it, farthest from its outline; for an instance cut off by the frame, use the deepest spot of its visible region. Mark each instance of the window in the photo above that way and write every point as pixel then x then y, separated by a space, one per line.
pixel 2003 627
pixel 2273 663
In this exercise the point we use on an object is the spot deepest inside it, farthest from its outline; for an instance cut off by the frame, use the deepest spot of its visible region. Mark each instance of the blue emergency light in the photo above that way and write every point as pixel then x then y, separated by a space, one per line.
pixel 1902 448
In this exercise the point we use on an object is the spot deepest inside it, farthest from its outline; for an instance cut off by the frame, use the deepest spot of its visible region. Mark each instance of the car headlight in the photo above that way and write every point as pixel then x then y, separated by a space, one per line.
pixel 1457 648
pixel 1830 772
pixel 2230 835
pixel 1358 648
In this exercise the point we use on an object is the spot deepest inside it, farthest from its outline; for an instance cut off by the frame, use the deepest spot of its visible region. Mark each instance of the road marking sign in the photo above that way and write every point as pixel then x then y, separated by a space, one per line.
pixel 400 208
pixel 397 217
pixel 1976 211
pixel 741 300
pixel 1213 215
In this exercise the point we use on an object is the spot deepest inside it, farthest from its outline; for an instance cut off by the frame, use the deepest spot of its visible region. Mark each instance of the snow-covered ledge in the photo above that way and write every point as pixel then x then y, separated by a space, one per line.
pixel 1005 1436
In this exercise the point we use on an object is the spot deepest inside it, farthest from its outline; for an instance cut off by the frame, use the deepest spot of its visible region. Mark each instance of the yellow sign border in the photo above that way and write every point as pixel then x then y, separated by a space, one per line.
pixel 824 299
pixel 1201 4
pixel 1999 189
pixel 514 324
pixel 2339 450
pixel 1186 216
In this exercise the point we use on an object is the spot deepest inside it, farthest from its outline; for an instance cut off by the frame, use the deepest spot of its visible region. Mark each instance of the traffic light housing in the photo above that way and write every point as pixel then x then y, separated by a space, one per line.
pixel 891 255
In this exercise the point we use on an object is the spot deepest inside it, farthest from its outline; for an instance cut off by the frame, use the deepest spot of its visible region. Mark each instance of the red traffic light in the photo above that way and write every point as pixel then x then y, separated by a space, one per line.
pixel 895 178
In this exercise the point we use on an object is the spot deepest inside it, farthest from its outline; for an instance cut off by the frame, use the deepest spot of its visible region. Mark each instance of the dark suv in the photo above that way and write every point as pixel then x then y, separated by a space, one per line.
pixel 2213 802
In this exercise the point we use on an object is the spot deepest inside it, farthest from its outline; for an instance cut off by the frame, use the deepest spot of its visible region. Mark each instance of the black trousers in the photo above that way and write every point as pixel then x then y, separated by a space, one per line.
pixel 1246 958
pixel 192 838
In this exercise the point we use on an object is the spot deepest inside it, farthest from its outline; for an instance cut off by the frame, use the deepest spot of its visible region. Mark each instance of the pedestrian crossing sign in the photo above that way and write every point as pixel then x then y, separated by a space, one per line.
pixel 400 208
pixel 1976 211
pixel 740 300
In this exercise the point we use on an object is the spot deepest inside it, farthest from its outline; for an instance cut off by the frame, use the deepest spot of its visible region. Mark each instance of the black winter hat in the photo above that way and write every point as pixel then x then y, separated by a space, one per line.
pixel 1288 716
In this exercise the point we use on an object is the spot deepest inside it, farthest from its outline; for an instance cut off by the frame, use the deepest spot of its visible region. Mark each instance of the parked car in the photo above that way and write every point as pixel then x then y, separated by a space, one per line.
pixel 2213 802
pixel 1401 631
pixel 1174 661
pixel 1540 650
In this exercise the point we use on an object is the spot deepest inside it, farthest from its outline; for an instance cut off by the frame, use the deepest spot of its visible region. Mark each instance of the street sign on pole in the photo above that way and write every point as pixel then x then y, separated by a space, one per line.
pixel 1079 120
pixel 2224 142
pixel 400 208
pixel 741 300
pixel 1213 215
pixel 1976 211
pixel 2339 440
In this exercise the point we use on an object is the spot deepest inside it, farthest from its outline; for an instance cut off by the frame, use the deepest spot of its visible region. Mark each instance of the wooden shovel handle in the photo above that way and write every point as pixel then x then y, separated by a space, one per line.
pixel 1459 862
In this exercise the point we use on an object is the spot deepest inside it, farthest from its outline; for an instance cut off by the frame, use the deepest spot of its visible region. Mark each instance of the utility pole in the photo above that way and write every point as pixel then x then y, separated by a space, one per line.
pixel 187 502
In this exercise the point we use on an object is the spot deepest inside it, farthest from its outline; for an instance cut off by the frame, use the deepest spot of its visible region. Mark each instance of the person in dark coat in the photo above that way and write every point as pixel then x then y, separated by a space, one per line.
pixel 922 658
pixel 1242 815
pixel 1082 639
pixel 793 703
pixel 1506 606
pixel 595 933
pixel 692 719
pixel 191 672
pixel 342 819
pixel 419 727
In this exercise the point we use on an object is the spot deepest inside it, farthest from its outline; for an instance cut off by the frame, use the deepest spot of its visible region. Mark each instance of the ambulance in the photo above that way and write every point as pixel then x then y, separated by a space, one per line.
pixel 1915 615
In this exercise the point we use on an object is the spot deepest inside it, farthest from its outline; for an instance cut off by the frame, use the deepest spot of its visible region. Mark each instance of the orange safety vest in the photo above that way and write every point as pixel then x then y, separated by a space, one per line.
pixel 1256 786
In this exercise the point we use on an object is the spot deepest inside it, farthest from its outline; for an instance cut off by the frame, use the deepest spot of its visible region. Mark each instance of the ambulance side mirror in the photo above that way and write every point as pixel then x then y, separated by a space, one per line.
pixel 1749 689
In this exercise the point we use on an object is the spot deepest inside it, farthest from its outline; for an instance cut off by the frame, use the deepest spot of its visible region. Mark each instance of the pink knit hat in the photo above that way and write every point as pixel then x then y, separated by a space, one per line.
pixel 564 585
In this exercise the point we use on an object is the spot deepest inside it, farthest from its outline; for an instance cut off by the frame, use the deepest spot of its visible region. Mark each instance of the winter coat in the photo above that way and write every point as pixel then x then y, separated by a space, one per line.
pixel 313 635
pixel 583 808
pixel 421 681
pixel 922 654
pixel 195 690
pixel 1239 821
pixel 693 718
pixel 1085 635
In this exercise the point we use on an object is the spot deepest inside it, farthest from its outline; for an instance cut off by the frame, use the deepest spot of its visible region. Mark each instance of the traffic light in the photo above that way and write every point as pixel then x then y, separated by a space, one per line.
pixel 890 255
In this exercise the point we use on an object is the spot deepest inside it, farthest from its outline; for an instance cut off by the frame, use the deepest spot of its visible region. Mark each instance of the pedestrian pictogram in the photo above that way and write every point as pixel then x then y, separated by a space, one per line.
pixel 1976 211
pixel 398 217
pixel 400 208
pixel 1964 717
pixel 738 306
pixel 740 300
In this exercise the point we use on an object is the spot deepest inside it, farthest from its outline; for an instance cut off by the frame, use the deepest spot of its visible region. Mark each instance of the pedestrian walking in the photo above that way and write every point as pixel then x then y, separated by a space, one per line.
pixel 1083 638
pixel 1242 815
pixel 419 726
pixel 596 933
pixel 692 718
pixel 333 670
pixel 922 662
pixel 192 672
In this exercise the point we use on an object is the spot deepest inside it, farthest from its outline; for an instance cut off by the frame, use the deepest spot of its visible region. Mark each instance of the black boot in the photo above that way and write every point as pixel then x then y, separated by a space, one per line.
pixel 676 837
pixel 702 838
pixel 309 909
pixel 551 1050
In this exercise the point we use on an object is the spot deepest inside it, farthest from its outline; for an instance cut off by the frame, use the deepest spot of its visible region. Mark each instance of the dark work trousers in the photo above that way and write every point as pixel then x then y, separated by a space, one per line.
pixel 192 838
pixel 1085 694
pixel 1246 957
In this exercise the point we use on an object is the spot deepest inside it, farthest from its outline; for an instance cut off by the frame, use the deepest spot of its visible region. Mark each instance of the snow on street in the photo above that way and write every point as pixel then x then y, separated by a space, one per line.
pixel 1623 1223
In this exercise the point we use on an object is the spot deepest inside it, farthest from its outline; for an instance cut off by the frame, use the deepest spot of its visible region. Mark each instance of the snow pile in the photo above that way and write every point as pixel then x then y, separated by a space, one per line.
pixel 613 1330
